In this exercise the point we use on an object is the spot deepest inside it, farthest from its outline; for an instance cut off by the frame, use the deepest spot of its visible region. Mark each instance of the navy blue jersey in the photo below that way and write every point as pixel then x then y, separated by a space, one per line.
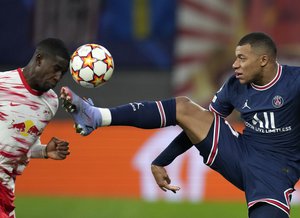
pixel 271 113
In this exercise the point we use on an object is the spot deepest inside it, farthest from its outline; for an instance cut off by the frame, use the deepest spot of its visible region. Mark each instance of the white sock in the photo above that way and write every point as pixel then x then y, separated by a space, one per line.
pixel 106 116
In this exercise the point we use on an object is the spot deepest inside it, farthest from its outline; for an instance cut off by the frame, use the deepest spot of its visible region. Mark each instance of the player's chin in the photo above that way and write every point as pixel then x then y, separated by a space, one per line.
pixel 242 81
pixel 49 86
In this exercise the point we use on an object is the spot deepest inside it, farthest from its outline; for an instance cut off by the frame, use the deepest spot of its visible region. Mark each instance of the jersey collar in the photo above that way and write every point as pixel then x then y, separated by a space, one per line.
pixel 32 91
pixel 270 84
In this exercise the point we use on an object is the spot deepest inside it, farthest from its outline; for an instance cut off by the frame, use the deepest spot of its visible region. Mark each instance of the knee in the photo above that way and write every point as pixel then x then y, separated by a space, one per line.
pixel 185 106
pixel 193 119
pixel 182 102
pixel 183 109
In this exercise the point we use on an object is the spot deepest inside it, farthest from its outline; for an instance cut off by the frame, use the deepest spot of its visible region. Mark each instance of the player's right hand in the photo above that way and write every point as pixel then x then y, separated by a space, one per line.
pixel 162 179
pixel 57 149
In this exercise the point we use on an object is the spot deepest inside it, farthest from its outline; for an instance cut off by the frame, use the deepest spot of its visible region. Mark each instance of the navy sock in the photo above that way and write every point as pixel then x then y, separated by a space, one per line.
pixel 146 115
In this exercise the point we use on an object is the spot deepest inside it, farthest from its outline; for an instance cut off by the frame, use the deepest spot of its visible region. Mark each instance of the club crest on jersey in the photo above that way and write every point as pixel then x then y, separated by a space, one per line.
pixel 277 101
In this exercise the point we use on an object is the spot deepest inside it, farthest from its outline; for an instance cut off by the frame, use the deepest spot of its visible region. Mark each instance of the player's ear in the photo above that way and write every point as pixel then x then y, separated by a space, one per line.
pixel 264 59
pixel 38 59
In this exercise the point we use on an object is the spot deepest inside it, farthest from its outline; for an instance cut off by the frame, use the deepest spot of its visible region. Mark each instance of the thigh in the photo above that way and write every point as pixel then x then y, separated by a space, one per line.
pixel 222 151
pixel 193 119
pixel 266 181
pixel 263 210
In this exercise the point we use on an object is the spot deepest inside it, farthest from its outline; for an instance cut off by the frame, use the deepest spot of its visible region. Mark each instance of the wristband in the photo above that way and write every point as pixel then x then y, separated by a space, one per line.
pixel 44 152
pixel 38 151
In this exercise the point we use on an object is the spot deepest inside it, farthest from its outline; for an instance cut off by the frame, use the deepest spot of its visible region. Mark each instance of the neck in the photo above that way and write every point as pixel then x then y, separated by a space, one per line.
pixel 27 75
pixel 268 74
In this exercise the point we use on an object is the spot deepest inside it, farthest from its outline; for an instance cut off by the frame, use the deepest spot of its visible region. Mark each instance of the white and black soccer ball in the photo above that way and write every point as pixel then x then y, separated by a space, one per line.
pixel 91 65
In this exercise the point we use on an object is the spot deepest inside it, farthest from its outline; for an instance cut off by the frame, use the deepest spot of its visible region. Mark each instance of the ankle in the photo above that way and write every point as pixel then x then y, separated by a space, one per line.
pixel 96 116
pixel 105 116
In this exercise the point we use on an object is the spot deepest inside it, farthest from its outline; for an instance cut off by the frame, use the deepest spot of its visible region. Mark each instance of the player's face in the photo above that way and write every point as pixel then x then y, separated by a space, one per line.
pixel 49 72
pixel 247 66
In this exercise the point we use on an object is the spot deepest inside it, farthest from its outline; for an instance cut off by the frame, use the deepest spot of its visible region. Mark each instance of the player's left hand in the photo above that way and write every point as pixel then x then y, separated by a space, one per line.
pixel 162 179
pixel 57 149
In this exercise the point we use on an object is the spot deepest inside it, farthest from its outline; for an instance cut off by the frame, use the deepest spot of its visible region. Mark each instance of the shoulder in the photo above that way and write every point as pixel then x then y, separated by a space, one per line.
pixel 9 74
pixel 291 74
pixel 231 84
pixel 52 100
pixel 51 95
pixel 291 70
pixel 10 79
pixel 232 80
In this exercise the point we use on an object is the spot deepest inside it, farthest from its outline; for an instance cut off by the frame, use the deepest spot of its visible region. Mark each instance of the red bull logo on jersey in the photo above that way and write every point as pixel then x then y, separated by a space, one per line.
pixel 277 101
pixel 26 128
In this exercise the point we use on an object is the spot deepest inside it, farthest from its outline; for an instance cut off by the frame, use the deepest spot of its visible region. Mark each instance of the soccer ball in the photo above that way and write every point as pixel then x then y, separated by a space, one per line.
pixel 91 65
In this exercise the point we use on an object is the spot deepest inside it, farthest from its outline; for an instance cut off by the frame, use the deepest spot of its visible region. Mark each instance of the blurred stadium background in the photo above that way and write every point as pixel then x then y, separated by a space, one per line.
pixel 161 48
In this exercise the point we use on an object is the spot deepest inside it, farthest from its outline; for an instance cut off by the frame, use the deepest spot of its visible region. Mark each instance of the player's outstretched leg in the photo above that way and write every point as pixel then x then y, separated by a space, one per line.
pixel 145 114
pixel 86 117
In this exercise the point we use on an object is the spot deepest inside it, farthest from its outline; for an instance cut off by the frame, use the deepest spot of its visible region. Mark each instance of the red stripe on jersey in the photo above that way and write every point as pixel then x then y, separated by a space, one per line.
pixel 2 116
pixel 273 202
pixel 270 84
pixel 22 141
pixel 276 203
pixel 7 172
pixel 34 92
pixel 8 154
pixel 7 198
pixel 214 148
pixel 215 111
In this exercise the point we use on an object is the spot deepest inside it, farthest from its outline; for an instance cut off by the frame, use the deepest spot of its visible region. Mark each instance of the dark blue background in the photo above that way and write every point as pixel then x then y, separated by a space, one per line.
pixel 115 31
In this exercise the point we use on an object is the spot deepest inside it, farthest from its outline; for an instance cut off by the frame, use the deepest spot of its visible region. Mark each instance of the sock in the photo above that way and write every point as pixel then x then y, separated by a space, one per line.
pixel 146 115
pixel 105 118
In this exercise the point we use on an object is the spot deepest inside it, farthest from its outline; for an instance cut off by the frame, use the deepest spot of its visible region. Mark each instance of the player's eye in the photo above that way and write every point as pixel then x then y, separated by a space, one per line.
pixel 242 58
pixel 57 68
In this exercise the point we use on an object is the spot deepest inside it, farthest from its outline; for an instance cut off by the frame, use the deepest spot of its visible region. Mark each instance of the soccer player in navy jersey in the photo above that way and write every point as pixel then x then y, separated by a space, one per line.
pixel 263 161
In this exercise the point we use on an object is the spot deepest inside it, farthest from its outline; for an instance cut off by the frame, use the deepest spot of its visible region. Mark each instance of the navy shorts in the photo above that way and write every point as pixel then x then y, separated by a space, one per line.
pixel 261 176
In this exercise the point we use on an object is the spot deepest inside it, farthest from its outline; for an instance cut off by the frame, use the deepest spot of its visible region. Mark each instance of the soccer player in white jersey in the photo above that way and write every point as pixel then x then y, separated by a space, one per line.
pixel 263 161
pixel 27 104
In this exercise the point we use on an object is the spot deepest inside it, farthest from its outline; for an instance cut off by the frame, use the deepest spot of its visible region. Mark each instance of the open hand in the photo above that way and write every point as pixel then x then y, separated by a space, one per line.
pixel 162 179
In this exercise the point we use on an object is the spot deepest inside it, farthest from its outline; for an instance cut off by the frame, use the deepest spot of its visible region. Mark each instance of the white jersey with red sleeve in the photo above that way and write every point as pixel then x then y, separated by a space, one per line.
pixel 24 113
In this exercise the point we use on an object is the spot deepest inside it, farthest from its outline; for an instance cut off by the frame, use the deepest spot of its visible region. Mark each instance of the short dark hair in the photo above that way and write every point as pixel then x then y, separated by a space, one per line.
pixel 54 46
pixel 260 40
